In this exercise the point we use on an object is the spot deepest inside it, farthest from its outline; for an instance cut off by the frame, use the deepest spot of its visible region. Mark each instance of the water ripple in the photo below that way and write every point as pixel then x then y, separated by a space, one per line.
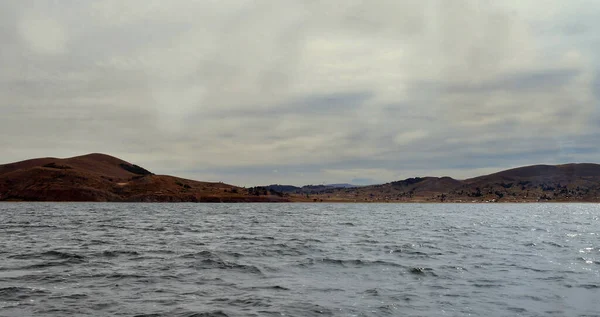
pixel 298 260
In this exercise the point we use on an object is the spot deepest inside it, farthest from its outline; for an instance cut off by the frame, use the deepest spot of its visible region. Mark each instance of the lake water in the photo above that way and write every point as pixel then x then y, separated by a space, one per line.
pixel 59 259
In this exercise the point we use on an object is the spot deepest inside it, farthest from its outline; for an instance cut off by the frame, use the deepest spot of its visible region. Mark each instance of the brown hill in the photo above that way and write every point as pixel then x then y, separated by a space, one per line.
pixel 565 173
pixel 417 189
pixel 568 182
pixel 100 177
pixel 95 163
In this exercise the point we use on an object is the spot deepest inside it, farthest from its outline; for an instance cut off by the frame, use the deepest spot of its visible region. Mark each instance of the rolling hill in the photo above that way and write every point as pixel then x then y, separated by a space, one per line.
pixel 561 183
pixel 306 189
pixel 100 177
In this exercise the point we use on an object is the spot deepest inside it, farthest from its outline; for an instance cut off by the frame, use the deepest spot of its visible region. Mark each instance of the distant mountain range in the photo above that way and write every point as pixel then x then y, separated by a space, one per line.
pixel 307 188
pixel 100 177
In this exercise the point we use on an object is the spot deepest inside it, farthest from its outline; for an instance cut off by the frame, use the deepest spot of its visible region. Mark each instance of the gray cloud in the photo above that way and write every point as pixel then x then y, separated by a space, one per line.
pixel 252 92
pixel 533 81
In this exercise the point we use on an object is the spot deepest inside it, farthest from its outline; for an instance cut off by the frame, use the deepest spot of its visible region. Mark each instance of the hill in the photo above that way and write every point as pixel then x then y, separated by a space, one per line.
pixel 101 177
pixel 560 183
pixel 306 189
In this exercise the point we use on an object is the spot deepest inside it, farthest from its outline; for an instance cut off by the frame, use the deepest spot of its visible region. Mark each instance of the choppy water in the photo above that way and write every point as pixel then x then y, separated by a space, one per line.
pixel 299 259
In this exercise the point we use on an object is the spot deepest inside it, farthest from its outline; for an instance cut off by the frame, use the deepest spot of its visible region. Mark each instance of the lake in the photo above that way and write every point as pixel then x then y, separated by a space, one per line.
pixel 97 259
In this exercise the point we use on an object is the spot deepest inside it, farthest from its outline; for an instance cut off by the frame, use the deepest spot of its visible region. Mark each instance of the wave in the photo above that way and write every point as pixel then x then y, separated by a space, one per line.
pixel 116 253
pixel 554 244
pixel 247 301
pixel 347 262
pixel 294 264
pixel 422 271
pixel 121 276
pixel 201 254
pixel 14 293
pixel 305 240
pixel 216 313
pixel 274 287
pixel 225 265
pixel 212 260
pixel 371 292
pixel 71 296
pixel 589 286
pixel 54 254
pixel 306 309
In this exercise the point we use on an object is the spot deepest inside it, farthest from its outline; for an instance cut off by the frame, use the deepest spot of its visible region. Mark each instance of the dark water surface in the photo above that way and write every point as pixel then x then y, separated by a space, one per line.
pixel 299 259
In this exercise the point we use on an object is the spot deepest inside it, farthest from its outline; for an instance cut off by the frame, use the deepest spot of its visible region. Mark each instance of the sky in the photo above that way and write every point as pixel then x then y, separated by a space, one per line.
pixel 254 92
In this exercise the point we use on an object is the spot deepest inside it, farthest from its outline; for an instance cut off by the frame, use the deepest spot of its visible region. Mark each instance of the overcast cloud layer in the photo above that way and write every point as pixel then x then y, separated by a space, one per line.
pixel 300 92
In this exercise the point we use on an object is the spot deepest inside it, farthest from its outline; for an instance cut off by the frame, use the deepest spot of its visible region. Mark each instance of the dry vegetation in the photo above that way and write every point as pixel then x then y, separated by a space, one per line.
pixel 100 177
pixel 560 183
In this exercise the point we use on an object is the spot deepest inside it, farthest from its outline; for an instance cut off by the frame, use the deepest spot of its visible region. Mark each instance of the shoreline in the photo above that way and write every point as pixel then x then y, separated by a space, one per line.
pixel 302 202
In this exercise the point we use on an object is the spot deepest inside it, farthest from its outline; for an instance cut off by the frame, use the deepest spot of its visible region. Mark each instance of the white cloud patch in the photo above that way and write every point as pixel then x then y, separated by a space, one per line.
pixel 43 34
pixel 404 138
pixel 317 90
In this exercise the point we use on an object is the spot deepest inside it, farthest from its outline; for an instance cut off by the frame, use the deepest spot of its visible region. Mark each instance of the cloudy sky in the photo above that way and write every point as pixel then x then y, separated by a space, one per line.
pixel 302 92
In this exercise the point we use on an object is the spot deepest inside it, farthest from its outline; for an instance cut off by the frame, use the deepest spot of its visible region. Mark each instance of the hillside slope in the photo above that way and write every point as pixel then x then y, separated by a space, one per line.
pixel 568 182
pixel 100 177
